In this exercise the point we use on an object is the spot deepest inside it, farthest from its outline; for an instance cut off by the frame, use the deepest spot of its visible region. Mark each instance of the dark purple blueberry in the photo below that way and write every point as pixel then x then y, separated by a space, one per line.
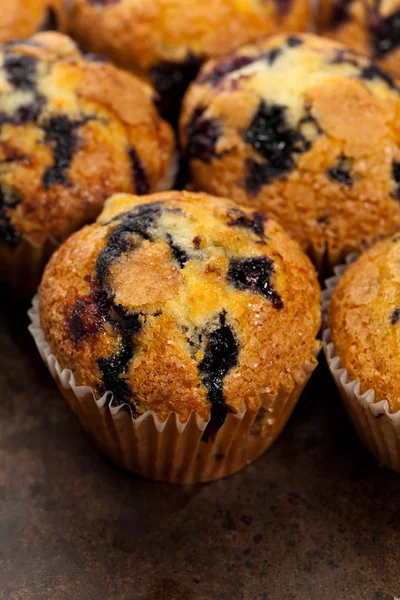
pixel 293 41
pixel 272 55
pixel 341 172
pixel 385 33
pixel 345 56
pixel 60 132
pixel 220 355
pixel 283 7
pixel 171 80
pixel 25 113
pixel 179 254
pixel 20 71
pixel 88 315
pixel 254 275
pixel 225 67
pixel 340 13
pixel 51 21
pixel 395 317
pixel 140 221
pixel 374 72
pixel 255 222
pixel 396 177
pixel 273 138
pixel 202 135
pixel 9 199
pixel 139 175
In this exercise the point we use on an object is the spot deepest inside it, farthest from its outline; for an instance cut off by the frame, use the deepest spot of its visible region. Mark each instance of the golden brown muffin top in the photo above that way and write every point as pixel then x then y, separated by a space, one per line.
pixel 364 317
pixel 169 39
pixel 22 18
pixel 305 130
pixel 181 302
pixel 371 26
pixel 73 130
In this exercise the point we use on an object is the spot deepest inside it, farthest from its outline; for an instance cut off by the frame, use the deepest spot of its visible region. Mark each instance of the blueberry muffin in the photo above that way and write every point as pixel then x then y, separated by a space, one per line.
pixel 370 26
pixel 364 321
pixel 167 40
pixel 22 18
pixel 73 130
pixel 181 302
pixel 304 130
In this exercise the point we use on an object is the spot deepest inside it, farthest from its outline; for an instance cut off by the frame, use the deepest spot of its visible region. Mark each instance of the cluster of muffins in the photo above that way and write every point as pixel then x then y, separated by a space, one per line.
pixel 181 326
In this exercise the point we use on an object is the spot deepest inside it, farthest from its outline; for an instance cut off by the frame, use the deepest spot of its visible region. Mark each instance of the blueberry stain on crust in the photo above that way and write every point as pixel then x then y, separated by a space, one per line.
pixel 20 71
pixel 88 315
pixel 396 177
pixel 9 199
pixel 24 114
pixel 127 325
pixel 254 274
pixel 255 222
pixel 272 138
pixel 220 355
pixel 374 72
pixel 385 33
pixel 61 133
pixel 395 317
pixel 341 172
pixel 178 253
pixel 139 175
pixel 202 134
pixel 224 68
pixel 138 221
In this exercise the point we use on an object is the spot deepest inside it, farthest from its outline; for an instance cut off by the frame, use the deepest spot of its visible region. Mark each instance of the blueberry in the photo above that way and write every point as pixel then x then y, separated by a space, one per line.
pixel 385 33
pixel 220 355
pixel 20 71
pixel 255 222
pixel 374 72
pixel 179 254
pixel 396 177
pixel 395 317
pixel 254 275
pixel 341 172
pixel 202 136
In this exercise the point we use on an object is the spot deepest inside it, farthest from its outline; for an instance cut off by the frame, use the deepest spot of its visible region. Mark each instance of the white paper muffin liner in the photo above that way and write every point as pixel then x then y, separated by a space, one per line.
pixel 376 425
pixel 171 450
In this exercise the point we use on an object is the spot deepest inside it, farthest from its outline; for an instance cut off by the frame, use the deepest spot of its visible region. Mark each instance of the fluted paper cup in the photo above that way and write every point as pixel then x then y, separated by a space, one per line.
pixel 173 451
pixel 376 425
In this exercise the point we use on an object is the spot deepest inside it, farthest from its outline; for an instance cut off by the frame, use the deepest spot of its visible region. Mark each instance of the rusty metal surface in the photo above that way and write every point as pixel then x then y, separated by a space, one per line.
pixel 314 518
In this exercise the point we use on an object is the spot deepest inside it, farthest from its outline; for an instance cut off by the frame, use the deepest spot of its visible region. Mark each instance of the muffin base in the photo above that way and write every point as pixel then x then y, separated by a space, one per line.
pixel 375 424
pixel 173 451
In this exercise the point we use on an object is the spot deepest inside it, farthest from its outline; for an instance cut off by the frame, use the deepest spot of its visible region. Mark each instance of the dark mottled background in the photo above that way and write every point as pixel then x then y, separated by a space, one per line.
pixel 314 518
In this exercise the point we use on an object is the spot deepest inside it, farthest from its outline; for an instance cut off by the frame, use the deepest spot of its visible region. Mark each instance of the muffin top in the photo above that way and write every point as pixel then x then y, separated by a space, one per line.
pixel 371 26
pixel 305 130
pixel 181 302
pixel 169 39
pixel 364 317
pixel 23 18
pixel 73 130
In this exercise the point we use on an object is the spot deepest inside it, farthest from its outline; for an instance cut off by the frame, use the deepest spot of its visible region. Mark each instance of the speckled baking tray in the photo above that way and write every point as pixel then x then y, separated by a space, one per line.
pixel 315 518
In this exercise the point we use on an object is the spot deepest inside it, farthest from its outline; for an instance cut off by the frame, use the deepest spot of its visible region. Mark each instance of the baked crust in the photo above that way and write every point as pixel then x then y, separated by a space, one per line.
pixel 73 130
pixel 181 302
pixel 305 130
pixel 22 18
pixel 364 317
